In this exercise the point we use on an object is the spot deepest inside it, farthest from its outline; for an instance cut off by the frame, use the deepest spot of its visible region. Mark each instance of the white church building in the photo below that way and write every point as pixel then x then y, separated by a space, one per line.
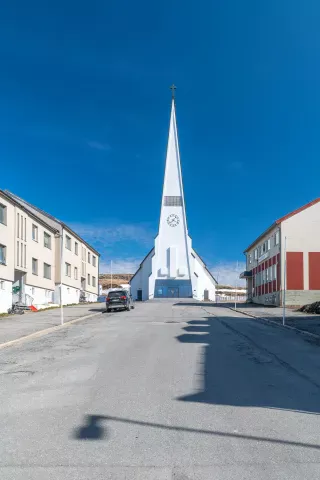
pixel 172 269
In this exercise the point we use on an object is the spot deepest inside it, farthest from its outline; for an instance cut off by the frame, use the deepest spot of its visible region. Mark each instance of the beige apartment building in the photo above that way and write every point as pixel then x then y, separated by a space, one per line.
pixel 284 261
pixel 33 247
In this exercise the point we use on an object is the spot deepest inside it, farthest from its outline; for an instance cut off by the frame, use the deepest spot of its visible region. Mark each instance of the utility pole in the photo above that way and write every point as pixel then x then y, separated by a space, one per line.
pixel 61 270
pixel 111 271
pixel 235 297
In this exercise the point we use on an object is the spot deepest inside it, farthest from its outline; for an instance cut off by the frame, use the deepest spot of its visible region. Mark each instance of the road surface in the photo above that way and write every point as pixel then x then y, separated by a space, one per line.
pixel 167 391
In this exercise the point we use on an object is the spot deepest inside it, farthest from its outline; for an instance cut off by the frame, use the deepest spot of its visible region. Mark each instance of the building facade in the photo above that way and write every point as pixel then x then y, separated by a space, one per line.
pixel 33 246
pixel 172 268
pixel 283 263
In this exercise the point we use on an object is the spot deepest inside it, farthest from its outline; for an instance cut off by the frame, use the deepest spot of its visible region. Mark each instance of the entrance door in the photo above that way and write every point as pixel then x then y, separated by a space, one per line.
pixel 206 295
pixel 173 292
pixel 139 295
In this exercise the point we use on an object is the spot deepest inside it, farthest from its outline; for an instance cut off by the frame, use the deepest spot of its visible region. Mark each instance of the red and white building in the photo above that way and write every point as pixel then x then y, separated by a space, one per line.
pixel 286 258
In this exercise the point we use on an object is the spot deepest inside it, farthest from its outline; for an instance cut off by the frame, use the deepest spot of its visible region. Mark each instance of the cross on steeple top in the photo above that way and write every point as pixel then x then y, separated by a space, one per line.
pixel 173 88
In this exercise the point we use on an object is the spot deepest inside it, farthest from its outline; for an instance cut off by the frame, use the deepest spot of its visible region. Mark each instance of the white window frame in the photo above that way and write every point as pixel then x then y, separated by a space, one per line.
pixel 89 257
pixel 35 233
pixel 2 285
pixel 67 269
pixel 93 281
pixel 76 273
pixel 277 237
pixel 76 248
pixel 94 260
pixel 68 242
pixel 3 217
pixel 35 264
pixel 269 244
pixel 3 260
pixel 88 278
pixel 44 271
pixel 48 236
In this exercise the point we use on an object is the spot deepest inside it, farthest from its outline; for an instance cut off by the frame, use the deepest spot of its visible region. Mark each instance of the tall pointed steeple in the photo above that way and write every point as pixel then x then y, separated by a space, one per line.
pixel 173 186
pixel 172 268
pixel 172 244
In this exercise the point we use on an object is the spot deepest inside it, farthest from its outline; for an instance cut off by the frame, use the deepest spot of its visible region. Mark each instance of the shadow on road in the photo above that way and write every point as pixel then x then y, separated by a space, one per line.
pixel 235 370
pixel 93 430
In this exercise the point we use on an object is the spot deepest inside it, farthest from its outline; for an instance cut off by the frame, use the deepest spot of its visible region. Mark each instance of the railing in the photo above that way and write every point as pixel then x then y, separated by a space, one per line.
pixel 22 299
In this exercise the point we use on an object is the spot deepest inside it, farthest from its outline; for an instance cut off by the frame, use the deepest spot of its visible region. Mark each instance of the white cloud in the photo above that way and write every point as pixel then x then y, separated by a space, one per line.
pixel 106 236
pixel 227 273
pixel 119 265
pixel 99 146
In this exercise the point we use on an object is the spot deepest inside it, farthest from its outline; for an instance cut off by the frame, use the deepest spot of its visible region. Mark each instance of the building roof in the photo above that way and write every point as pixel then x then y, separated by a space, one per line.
pixel 282 219
pixel 32 215
pixel 139 268
pixel 21 201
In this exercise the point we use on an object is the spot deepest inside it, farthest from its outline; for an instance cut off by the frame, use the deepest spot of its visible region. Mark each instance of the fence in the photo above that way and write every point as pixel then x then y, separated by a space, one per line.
pixel 231 298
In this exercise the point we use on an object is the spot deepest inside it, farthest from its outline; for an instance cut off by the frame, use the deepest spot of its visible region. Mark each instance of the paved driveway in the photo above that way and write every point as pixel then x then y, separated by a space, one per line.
pixel 167 391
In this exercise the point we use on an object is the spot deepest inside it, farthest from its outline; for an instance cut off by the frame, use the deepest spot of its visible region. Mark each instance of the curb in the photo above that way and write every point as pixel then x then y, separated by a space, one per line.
pixel 272 322
pixel 41 333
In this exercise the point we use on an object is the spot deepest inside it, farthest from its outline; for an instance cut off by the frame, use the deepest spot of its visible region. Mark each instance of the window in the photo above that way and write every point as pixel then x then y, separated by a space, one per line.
pixel 18 225
pixel 269 244
pixel 3 214
pixel 25 229
pixel 264 247
pixel 3 254
pixel 75 273
pixel 18 243
pixel 83 254
pixel 277 238
pixel 267 275
pixel 94 261
pixel 2 285
pixel 275 272
pixel 25 256
pixel 93 281
pixel 68 242
pixel 34 232
pixel 32 290
pixel 47 240
pixel 89 257
pixel 68 269
pixel 35 266
pixel 172 201
pixel 88 278
pixel 249 258
pixel 256 254
pixel 83 269
pixel 21 264
pixel 21 228
pixel 76 246
pixel 47 271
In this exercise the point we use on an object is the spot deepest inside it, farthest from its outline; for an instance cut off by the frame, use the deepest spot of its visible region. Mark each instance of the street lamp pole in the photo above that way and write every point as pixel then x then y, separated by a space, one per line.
pixel 61 270
pixel 284 282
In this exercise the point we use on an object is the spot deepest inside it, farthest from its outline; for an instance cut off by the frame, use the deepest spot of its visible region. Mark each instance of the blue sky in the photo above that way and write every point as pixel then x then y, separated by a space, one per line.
pixel 85 109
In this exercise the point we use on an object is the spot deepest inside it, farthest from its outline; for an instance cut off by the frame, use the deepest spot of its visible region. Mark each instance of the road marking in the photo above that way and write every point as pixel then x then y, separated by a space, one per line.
pixel 41 333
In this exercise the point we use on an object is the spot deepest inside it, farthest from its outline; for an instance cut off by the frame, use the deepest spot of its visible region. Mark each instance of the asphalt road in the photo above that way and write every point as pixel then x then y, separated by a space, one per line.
pixel 167 391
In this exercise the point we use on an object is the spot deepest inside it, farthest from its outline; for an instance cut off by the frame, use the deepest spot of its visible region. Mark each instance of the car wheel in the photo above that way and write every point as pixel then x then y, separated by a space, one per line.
pixel 108 310
pixel 132 306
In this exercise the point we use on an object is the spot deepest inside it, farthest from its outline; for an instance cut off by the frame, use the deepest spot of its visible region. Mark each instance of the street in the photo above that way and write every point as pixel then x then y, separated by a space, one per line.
pixel 170 390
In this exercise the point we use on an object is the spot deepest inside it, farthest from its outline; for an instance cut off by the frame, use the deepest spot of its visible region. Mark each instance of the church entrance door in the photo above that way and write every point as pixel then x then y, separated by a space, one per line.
pixel 173 292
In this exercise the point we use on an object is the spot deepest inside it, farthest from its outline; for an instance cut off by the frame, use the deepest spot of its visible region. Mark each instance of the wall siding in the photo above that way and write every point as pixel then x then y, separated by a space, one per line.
pixel 294 271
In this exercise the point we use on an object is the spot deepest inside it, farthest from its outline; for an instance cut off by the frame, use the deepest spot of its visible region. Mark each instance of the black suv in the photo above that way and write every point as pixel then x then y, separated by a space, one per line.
pixel 119 299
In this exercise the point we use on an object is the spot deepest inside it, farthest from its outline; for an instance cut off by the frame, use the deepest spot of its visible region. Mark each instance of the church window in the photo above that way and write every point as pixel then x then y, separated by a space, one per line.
pixel 172 201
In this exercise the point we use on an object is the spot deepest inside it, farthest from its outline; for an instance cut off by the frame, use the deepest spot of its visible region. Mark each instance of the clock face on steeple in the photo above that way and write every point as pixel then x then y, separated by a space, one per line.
pixel 173 220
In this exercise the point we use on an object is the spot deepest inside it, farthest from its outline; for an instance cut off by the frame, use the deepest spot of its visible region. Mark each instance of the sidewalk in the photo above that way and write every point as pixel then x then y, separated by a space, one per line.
pixel 17 326
pixel 303 321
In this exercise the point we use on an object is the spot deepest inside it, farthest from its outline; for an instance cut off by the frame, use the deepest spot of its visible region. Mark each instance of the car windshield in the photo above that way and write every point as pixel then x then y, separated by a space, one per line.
pixel 119 293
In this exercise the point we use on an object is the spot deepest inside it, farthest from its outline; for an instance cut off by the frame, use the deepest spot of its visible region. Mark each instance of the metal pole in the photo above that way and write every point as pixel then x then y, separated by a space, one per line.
pixel 284 282
pixel 61 270
pixel 111 271
pixel 235 296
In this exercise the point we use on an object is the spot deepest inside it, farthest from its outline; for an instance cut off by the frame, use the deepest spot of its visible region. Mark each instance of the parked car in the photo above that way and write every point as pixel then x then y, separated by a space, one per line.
pixel 119 300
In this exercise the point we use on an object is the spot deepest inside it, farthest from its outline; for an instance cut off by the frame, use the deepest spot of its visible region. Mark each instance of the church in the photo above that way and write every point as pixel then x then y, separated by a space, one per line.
pixel 172 268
